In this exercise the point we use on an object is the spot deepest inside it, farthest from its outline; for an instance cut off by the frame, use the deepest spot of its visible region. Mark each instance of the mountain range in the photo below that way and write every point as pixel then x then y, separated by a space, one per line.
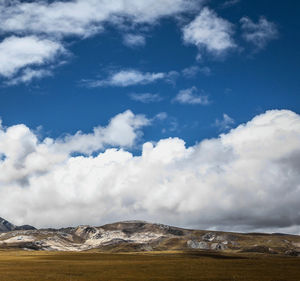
pixel 136 236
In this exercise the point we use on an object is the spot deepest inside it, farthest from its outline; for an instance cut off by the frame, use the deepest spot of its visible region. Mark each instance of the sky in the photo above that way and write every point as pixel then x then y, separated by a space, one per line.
pixel 184 112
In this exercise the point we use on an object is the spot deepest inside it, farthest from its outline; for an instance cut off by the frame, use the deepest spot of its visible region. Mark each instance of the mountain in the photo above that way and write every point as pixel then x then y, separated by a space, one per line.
pixel 133 236
pixel 6 226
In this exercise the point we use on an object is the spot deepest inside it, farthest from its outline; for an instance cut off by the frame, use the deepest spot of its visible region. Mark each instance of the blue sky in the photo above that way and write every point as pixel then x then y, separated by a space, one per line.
pixel 177 70
pixel 243 82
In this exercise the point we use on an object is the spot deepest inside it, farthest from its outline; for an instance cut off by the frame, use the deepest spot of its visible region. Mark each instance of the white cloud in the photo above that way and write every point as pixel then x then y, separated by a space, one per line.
pixel 224 124
pixel 191 96
pixel 125 78
pixel 84 17
pixel 209 32
pixel 192 71
pixel 246 179
pixel 28 74
pixel 230 3
pixel 45 24
pixel 259 33
pixel 134 40
pixel 26 156
pixel 205 70
pixel 161 116
pixel 19 52
pixel 122 130
pixel 145 97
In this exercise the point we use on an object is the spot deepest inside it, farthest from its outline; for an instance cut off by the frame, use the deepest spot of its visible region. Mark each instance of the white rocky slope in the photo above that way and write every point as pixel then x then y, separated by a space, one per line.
pixel 85 237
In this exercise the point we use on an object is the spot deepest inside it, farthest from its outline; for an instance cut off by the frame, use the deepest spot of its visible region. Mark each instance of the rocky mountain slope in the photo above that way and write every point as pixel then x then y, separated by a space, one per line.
pixel 7 226
pixel 143 236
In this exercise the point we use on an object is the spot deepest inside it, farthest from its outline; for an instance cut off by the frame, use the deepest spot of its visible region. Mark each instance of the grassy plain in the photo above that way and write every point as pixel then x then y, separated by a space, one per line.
pixel 194 265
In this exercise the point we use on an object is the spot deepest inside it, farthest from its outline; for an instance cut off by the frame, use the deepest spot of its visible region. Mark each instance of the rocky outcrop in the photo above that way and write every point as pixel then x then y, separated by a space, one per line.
pixel 192 244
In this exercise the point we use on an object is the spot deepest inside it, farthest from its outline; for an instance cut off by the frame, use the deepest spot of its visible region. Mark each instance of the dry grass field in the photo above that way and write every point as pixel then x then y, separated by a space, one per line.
pixel 194 265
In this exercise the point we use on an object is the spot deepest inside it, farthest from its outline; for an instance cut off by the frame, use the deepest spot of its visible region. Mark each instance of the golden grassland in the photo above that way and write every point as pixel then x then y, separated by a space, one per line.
pixel 192 265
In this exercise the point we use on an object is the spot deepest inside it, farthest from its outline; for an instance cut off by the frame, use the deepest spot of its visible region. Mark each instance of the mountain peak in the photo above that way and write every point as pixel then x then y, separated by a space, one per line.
pixel 6 226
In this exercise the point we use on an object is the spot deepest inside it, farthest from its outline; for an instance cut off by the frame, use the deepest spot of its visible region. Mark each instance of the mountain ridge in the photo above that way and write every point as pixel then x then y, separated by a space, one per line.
pixel 137 236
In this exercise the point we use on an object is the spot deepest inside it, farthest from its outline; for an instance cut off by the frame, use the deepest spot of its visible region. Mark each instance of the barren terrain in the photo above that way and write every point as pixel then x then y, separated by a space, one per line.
pixel 188 265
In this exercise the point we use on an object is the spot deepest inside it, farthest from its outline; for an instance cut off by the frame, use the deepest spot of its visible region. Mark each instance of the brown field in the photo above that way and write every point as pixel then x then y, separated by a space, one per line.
pixel 193 265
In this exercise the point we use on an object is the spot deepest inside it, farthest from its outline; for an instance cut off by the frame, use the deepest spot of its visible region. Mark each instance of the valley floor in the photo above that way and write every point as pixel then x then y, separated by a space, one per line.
pixel 192 265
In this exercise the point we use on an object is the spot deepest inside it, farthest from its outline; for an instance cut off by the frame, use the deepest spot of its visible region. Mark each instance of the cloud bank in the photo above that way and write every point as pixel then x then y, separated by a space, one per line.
pixel 247 179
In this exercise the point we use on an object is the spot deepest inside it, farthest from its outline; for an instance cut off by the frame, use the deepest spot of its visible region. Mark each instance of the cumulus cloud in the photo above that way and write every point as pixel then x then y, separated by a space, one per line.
pixel 19 52
pixel 130 77
pixel 246 179
pixel 225 123
pixel 191 96
pixel 259 33
pixel 26 155
pixel 122 130
pixel 84 17
pixel 209 32
pixel 145 97
pixel 134 40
